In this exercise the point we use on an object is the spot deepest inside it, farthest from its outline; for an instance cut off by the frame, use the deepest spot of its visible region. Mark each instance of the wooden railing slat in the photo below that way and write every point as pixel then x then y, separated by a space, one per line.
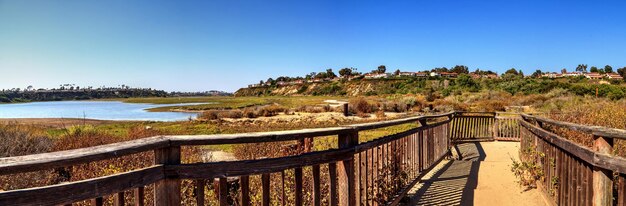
pixel 245 190
pixel 139 196
pixel 82 190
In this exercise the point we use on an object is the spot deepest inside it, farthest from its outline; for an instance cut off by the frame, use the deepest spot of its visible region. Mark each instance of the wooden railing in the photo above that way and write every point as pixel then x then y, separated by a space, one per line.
pixel 481 126
pixel 573 174
pixel 377 172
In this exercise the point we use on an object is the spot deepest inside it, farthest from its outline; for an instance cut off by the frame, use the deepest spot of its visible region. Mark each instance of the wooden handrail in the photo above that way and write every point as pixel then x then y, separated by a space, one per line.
pixel 28 163
pixel 168 170
pixel 594 130
pixel 571 156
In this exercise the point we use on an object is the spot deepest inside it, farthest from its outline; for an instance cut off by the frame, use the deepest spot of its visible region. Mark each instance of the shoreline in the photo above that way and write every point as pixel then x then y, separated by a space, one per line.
pixel 58 122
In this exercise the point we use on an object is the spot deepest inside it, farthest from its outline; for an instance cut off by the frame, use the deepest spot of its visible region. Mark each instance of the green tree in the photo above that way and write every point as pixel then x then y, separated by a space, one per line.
pixel 512 71
pixel 622 71
pixel 440 69
pixel 397 72
pixel 460 69
pixel 563 71
pixel 345 72
pixel 381 69
pixel 593 69
pixel 330 73
pixel 608 69
pixel 537 73
pixel 581 68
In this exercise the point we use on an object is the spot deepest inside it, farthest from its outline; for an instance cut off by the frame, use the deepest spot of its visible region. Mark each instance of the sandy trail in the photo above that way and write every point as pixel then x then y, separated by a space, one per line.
pixel 482 177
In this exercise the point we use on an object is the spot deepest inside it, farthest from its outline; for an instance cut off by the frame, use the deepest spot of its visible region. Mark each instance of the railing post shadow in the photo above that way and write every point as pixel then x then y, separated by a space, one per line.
pixel 602 178
pixel 167 190
pixel 346 174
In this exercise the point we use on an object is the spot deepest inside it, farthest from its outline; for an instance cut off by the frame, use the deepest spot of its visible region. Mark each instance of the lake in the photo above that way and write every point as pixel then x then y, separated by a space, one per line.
pixel 102 110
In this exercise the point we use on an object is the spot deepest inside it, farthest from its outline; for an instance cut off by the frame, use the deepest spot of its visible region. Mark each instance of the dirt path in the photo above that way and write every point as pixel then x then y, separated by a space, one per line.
pixel 482 177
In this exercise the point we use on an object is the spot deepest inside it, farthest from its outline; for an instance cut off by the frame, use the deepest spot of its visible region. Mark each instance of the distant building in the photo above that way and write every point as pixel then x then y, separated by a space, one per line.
pixel 406 74
pixel 376 75
pixel 551 75
pixel 614 76
pixel 474 75
pixel 572 74
pixel 449 74
pixel 297 82
pixel 593 75
pixel 421 74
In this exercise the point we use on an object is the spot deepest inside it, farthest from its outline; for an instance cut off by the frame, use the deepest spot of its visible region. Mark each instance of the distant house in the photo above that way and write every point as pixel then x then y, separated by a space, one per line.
pixel 406 74
pixel 491 76
pixel 297 82
pixel 377 75
pixel 282 83
pixel 421 74
pixel 593 75
pixel 572 74
pixel 434 74
pixel 614 76
pixel 449 74
pixel 551 75
pixel 474 75
pixel 254 85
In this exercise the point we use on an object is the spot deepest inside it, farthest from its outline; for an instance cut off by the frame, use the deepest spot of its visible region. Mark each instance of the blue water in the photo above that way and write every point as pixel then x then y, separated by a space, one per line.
pixel 102 110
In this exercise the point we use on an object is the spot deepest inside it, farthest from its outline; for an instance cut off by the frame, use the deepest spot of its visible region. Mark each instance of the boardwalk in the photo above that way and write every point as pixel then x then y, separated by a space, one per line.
pixel 482 177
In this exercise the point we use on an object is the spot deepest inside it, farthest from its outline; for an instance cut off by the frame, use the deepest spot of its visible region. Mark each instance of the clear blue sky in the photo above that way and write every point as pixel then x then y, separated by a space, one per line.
pixel 224 45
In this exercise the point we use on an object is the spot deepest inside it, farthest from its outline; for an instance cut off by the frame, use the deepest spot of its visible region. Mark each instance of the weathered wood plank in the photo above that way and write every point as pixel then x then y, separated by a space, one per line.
pixel 316 185
pixel 200 186
pixel 332 173
pixel 139 196
pixel 118 199
pixel 245 190
pixel 298 192
pixel 602 178
pixel 595 130
pixel 167 190
pixel 82 190
pixel 265 182
pixel 28 163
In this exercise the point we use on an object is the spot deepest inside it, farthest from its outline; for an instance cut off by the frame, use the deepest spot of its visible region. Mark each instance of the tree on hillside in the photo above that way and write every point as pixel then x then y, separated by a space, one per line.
pixel 622 71
pixel 397 72
pixel 354 71
pixel 581 68
pixel 608 69
pixel 512 71
pixel 330 73
pixel 440 69
pixel 345 72
pixel 563 71
pixel 520 73
pixel 381 69
pixel 537 73
pixel 593 69
pixel 460 69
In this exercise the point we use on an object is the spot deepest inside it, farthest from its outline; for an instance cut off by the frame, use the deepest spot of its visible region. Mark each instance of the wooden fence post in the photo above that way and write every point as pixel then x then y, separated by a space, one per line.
pixel 602 178
pixel 346 174
pixel 167 191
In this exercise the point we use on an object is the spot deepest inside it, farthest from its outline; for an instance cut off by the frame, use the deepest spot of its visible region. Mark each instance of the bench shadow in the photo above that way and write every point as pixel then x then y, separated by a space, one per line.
pixel 455 182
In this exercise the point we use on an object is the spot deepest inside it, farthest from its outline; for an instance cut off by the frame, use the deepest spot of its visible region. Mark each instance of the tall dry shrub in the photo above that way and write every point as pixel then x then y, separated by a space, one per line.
pixel 360 105
pixel 17 140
